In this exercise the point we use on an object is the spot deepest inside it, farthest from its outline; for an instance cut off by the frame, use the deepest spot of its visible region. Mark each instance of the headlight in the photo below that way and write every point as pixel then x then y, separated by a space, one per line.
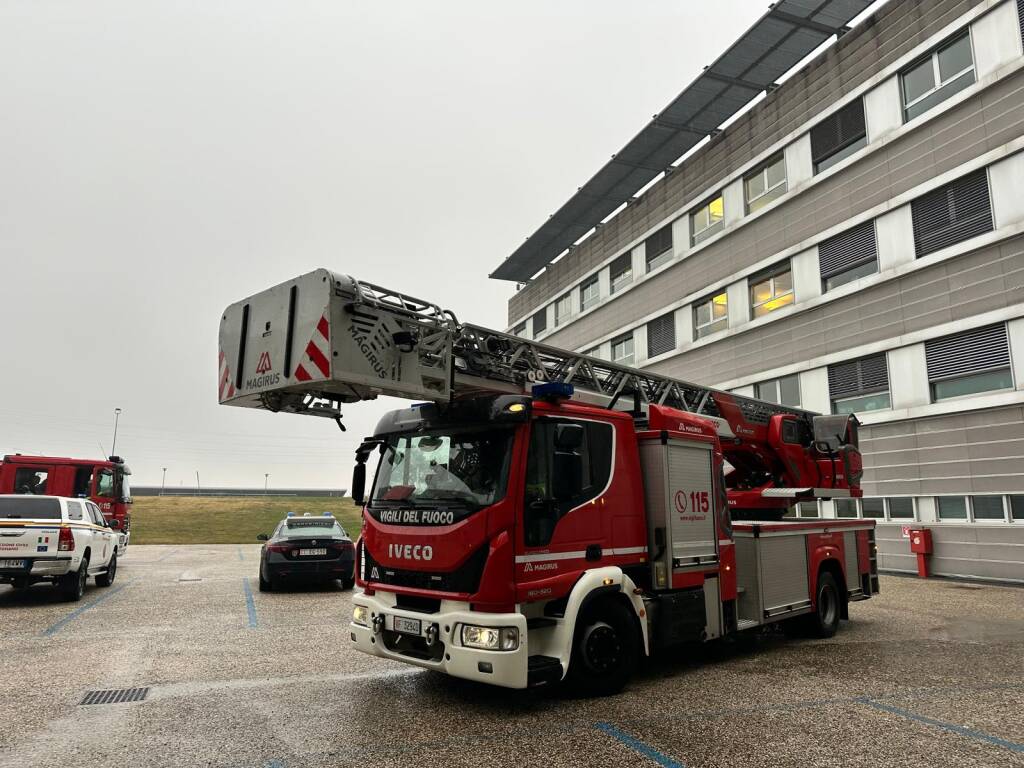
pixel 360 615
pixel 490 638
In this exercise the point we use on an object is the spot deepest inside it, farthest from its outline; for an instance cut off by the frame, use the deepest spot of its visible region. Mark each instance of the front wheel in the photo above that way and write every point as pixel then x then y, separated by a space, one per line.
pixel 605 650
pixel 106 579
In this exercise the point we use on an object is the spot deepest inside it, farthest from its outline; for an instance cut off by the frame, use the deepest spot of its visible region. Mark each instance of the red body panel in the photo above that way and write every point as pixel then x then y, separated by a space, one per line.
pixel 69 477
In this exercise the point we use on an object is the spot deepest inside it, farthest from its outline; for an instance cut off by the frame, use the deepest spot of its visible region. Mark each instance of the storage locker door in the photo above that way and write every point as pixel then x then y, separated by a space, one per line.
pixel 691 502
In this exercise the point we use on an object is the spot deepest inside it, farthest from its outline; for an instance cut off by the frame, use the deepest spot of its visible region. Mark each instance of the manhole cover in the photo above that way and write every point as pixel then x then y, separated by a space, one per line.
pixel 114 696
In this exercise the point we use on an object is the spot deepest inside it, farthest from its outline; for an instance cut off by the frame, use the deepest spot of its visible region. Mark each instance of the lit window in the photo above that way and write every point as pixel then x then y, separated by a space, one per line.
pixel 944 72
pixel 563 309
pixel 766 184
pixel 784 391
pixel 621 272
pixel 622 350
pixel 771 291
pixel 845 507
pixel 711 315
pixel 590 294
pixel 707 220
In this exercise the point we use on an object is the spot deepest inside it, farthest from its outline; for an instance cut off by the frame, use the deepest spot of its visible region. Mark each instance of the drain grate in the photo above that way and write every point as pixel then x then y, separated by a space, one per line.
pixel 114 696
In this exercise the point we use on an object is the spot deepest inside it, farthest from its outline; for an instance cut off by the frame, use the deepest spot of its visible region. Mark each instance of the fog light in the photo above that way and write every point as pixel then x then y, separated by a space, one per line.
pixel 360 614
pixel 490 638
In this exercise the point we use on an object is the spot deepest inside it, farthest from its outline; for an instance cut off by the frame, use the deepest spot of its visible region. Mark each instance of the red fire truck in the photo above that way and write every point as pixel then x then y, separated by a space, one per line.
pixel 545 515
pixel 103 482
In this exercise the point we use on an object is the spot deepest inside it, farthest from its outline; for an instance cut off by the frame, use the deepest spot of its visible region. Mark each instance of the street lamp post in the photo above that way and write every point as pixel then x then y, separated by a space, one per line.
pixel 163 481
pixel 113 445
pixel 266 481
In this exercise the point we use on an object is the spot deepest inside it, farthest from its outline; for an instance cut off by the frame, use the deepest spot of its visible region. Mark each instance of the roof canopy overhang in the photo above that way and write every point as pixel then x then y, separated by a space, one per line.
pixel 784 36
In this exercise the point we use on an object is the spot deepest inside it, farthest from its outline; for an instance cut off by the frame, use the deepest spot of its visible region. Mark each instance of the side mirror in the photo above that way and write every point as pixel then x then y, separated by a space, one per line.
pixel 568 437
pixel 114 523
pixel 359 482
pixel 262 537
pixel 566 477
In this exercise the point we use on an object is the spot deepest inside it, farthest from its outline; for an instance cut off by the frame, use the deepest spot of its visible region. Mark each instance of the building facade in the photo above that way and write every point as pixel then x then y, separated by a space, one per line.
pixel 852 243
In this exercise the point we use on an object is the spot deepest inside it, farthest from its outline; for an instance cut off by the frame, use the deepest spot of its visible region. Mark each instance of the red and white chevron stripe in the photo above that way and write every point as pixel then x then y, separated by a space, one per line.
pixel 317 351
pixel 226 388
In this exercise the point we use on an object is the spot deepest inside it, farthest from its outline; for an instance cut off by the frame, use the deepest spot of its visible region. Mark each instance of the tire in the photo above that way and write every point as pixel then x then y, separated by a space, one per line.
pixel 606 647
pixel 348 582
pixel 264 584
pixel 827 608
pixel 73 584
pixel 106 579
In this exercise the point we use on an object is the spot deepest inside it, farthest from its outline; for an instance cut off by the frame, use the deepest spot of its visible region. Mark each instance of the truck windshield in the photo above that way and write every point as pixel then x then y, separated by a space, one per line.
pixel 468 467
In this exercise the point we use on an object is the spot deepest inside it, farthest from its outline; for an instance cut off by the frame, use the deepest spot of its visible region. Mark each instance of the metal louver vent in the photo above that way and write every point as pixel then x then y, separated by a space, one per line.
pixel 838 131
pixel 661 335
pixel 848 250
pixel 951 214
pixel 658 243
pixel 976 351
pixel 622 264
pixel 1020 17
pixel 858 377
pixel 114 696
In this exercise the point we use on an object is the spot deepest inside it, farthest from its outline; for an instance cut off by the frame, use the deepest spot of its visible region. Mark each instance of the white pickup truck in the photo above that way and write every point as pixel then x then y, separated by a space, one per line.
pixel 50 538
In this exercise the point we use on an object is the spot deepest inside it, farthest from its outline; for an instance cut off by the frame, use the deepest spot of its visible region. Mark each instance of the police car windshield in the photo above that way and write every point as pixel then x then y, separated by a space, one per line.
pixel 457 466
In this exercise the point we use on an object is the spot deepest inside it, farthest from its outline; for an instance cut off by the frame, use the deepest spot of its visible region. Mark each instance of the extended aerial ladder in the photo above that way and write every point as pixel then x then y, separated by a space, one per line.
pixel 312 344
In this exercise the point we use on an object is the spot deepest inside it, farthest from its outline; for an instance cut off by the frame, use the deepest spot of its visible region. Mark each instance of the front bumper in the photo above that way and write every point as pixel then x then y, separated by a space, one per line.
pixel 508 669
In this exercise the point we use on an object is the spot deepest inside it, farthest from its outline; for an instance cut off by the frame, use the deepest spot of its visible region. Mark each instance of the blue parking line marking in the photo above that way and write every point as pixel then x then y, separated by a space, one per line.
pixel 638 746
pixel 55 628
pixel 960 730
pixel 250 605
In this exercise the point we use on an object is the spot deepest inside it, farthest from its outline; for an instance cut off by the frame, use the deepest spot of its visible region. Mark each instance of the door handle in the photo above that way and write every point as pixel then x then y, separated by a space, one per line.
pixel 594 552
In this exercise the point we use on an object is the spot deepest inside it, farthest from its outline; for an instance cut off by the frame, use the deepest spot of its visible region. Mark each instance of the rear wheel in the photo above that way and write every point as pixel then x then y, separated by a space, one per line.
pixel 264 584
pixel 824 620
pixel 605 650
pixel 73 584
pixel 106 579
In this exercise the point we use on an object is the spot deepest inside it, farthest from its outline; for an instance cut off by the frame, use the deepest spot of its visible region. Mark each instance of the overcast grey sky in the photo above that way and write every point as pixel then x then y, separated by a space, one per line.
pixel 161 160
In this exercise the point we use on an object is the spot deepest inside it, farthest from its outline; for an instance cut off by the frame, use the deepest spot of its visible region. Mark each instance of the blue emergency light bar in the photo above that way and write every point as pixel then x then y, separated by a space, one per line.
pixel 552 390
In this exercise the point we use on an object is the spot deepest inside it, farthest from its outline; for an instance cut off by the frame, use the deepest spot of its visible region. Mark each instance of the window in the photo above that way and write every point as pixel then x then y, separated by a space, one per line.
pixel 31 481
pixel 942 73
pixel 874 508
pixel 901 508
pixel 621 272
pixel 14 508
pixel 952 507
pixel 771 291
pixel 969 362
pixel 661 335
pixel 987 508
pixel 563 309
pixel 707 220
pixel 765 184
pixel 859 385
pixel 74 510
pixel 622 349
pixel 838 136
pixel 546 499
pixel 784 391
pixel 590 293
pixel 519 330
pixel 658 248
pixel 711 315
pixel 951 214
pixel 94 512
pixel 593 352
pixel 848 256
pixel 845 507
pixel 540 322
pixel 1017 502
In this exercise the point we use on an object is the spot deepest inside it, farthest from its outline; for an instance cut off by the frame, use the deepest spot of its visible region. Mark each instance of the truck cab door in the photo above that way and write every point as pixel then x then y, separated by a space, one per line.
pixel 565 527
pixel 103 490
pixel 102 538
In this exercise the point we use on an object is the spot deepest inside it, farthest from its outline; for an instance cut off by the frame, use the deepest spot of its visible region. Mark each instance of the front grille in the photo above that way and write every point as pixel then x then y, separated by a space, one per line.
pixel 465 579
pixel 114 696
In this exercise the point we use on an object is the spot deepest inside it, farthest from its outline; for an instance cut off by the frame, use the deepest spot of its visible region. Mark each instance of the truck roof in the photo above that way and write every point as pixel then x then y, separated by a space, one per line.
pixel 18 458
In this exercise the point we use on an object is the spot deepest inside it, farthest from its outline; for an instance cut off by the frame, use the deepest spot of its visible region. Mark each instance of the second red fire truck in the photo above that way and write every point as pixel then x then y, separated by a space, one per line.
pixel 546 515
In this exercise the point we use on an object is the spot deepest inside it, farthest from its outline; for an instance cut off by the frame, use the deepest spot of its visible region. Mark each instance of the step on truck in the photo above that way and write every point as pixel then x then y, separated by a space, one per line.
pixel 541 515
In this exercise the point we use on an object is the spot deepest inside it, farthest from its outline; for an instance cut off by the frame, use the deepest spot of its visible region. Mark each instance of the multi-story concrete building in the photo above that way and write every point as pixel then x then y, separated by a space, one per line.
pixel 852 242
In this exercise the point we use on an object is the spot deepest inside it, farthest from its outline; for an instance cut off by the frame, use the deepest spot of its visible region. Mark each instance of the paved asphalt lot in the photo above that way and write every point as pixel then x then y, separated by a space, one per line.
pixel 925 674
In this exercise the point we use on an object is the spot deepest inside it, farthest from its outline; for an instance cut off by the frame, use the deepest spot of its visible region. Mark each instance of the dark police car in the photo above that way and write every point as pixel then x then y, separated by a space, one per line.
pixel 308 548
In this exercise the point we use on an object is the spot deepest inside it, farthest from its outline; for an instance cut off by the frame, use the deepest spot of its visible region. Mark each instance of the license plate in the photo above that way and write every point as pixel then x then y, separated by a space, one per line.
pixel 312 552
pixel 407 626
pixel 12 563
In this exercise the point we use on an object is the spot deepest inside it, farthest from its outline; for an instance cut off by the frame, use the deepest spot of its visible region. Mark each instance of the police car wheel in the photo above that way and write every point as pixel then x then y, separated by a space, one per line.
pixel 348 583
pixel 264 584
